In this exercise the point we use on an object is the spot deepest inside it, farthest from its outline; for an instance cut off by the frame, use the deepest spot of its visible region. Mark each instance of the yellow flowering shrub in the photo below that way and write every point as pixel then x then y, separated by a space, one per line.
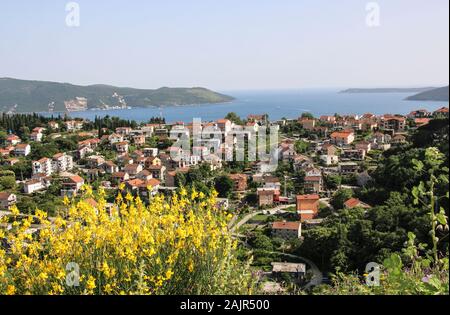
pixel 177 245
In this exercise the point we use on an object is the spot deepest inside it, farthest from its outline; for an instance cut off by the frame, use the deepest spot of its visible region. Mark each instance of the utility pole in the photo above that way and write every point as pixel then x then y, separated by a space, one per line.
pixel 285 186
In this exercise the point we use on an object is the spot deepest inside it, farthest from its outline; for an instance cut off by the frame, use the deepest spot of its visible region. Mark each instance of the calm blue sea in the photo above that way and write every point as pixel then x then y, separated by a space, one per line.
pixel 278 104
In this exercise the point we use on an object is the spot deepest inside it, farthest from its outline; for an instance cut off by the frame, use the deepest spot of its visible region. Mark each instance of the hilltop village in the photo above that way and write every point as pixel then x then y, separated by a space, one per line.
pixel 322 163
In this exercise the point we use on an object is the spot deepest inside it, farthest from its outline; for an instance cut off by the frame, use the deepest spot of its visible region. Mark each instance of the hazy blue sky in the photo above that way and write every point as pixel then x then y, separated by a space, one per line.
pixel 227 44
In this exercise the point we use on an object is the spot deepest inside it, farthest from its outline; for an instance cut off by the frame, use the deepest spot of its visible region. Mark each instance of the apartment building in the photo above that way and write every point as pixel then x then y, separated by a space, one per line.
pixel 22 149
pixel 62 162
pixel 341 138
pixel 42 166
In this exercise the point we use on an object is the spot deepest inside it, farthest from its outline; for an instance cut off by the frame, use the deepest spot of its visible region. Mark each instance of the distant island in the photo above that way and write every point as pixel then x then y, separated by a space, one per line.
pixel 438 95
pixel 42 96
pixel 388 90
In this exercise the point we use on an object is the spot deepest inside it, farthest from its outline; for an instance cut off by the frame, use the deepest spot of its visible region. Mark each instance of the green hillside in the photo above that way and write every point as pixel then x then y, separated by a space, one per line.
pixel 388 90
pixel 34 96
pixel 440 95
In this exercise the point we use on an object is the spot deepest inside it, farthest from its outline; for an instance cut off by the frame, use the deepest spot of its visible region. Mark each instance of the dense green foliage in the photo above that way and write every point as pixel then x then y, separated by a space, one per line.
pixel 421 267
pixel 233 117
pixel 224 186
pixel 22 124
pixel 349 239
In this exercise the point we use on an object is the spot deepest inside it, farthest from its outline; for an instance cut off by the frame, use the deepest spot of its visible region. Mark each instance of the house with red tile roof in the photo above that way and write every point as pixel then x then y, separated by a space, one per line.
pixel 170 176
pixel 419 113
pixel 134 184
pixel 327 119
pixel 396 123
pixel 139 140
pixel 224 125
pixel 7 200
pixel 133 169
pixel 313 184
pixel 157 171
pixel 72 185
pixel 341 138
pixel 308 206
pixel 239 181
pixel 266 196
pixel 33 185
pixel 37 134
pixel 355 203
pixel 122 147
pixel 4 152
pixel 441 113
pixel 13 140
pixel 419 122
pixel 257 118
pixel 287 230
pixel 90 143
pixel 22 149
pixel 120 177
pixel 124 131
pixel 307 123
pixel 144 175
pixel 110 167
pixel 364 145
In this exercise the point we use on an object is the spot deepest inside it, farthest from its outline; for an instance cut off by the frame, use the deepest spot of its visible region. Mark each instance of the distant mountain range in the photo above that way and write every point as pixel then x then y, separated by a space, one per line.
pixel 420 94
pixel 439 94
pixel 388 90
pixel 40 96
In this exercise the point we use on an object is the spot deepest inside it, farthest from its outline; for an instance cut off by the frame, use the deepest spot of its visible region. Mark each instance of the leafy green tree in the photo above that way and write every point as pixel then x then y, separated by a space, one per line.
pixel 224 186
pixel 180 180
pixel 397 171
pixel 261 241
pixel 433 134
pixel 308 115
pixel 67 144
pixel 24 132
pixel 352 238
pixel 3 136
pixel 251 198
pixel 54 190
pixel 415 269
pixel 7 173
pixel 164 144
pixel 152 142
pixel 298 180
pixel 8 183
pixel 27 205
pixel 425 194
pixel 340 197
pixel 233 117
pixel 22 169
pixel 301 146
pixel 333 182
pixel 40 150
